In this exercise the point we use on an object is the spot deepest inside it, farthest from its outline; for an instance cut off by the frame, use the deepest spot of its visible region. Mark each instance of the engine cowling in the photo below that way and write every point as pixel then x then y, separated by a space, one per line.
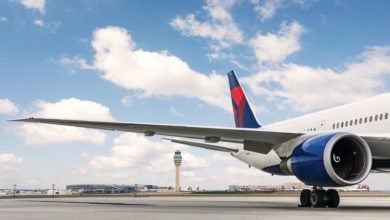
pixel 336 159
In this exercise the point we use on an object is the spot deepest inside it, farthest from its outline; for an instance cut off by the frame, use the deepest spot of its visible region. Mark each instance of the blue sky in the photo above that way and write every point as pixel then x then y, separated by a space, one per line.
pixel 145 61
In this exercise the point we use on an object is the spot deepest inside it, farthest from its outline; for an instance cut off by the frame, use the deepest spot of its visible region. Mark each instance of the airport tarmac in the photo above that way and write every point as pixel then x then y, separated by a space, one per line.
pixel 191 208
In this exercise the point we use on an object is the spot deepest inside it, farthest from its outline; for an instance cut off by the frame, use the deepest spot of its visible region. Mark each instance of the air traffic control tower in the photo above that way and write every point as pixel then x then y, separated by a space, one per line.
pixel 177 159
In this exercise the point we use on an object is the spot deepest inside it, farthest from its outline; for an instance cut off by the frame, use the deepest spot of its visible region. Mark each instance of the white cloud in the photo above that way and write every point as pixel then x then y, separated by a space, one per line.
pixel 133 150
pixel 8 163
pixel 268 8
pixel 79 171
pixel 221 157
pixel 39 22
pixel 7 107
pixel 151 73
pixel 10 159
pixel 303 87
pixel 221 28
pixel 38 5
pixel 73 63
pixel 67 109
pixel 150 160
pixel 127 101
pixel 175 112
pixel 4 19
pixel 85 155
pixel 128 150
pixel 277 47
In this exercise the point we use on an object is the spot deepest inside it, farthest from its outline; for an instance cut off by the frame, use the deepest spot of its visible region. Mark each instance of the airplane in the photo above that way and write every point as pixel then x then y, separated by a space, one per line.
pixel 336 147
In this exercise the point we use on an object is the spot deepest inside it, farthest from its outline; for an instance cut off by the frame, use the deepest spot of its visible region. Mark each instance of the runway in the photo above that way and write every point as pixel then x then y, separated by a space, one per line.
pixel 190 208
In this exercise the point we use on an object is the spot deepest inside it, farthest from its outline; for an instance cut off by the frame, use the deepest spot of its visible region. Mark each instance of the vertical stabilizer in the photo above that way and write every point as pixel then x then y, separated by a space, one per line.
pixel 243 114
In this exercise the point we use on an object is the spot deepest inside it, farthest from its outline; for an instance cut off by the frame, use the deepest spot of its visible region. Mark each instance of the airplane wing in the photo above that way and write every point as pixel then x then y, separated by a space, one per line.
pixel 258 140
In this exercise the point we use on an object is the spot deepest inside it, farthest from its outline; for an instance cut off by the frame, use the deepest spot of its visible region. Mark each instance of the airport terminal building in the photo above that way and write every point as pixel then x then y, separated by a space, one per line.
pixel 100 188
pixel 113 188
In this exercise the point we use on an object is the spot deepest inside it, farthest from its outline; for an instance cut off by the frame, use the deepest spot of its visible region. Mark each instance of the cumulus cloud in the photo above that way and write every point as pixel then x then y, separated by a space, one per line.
pixel 38 5
pixel 3 19
pixel 303 87
pixel 8 163
pixel 221 28
pixel 150 73
pixel 131 150
pixel 71 108
pixel 7 107
pixel 276 47
pixel 128 151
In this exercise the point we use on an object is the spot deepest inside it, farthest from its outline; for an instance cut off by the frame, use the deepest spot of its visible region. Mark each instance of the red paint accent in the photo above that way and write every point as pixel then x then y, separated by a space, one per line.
pixel 238 97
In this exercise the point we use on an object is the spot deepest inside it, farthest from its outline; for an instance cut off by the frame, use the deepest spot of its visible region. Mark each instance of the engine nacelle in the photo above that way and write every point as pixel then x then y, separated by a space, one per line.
pixel 336 159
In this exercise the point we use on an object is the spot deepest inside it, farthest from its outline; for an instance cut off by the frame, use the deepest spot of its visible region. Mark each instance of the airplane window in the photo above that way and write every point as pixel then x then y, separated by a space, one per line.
pixel 337 125
pixel 360 120
pixel 356 121
pixel 370 118
pixel 386 115
pixel 381 117
pixel 346 124
pixel 365 120
pixel 333 126
pixel 351 123
pixel 314 129
pixel 376 117
pixel 342 124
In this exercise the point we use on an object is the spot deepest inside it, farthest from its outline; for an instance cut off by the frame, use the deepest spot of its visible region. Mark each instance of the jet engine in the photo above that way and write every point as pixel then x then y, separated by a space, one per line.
pixel 336 159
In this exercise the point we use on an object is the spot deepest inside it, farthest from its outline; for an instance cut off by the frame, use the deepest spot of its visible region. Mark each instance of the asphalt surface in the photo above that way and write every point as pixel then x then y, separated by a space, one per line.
pixel 190 208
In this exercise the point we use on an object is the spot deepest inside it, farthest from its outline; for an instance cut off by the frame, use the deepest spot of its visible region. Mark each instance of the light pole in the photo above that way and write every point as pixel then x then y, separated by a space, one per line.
pixel 14 190
pixel 53 186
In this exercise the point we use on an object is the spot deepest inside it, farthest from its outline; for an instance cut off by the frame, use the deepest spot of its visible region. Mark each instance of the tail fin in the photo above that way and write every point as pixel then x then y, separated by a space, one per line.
pixel 243 114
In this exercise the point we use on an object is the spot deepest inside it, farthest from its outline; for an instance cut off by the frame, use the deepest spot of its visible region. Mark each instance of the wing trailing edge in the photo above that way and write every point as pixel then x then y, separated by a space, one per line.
pixel 203 145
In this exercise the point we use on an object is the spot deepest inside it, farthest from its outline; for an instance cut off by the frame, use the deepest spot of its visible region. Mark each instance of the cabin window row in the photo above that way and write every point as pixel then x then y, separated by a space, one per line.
pixel 360 121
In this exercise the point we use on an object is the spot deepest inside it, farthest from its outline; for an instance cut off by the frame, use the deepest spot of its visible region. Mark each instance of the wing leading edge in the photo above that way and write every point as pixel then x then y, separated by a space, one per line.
pixel 261 138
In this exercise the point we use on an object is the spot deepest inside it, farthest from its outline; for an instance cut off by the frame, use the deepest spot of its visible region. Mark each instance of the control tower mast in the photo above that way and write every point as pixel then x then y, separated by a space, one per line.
pixel 177 158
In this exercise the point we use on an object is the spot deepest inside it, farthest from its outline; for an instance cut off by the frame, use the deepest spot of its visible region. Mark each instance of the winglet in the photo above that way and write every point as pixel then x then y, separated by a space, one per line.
pixel 243 114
